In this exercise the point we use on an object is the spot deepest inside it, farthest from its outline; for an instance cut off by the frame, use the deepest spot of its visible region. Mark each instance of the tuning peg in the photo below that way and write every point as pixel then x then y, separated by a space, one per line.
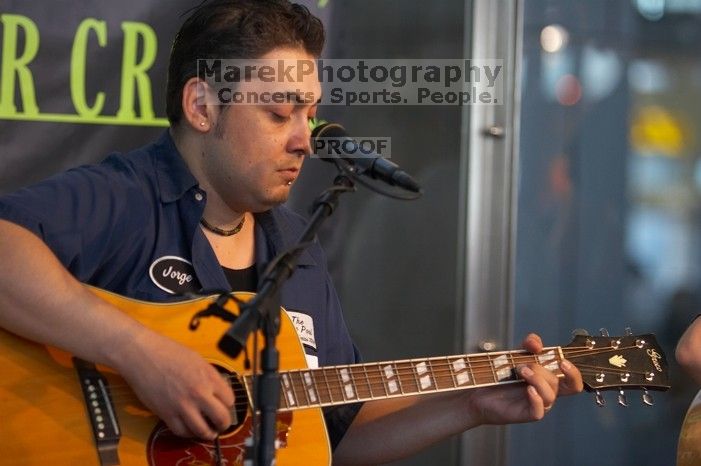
pixel 622 398
pixel 647 398
pixel 604 332
pixel 599 399
pixel 628 331
pixel 579 332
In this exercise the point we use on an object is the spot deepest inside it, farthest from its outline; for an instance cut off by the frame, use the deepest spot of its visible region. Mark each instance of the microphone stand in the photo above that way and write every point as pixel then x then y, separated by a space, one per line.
pixel 263 311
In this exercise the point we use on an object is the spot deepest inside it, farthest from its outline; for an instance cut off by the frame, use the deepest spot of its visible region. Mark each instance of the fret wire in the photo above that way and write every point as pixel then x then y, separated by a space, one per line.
pixel 415 373
pixel 476 370
pixel 336 384
pixel 328 386
pixel 451 375
pixel 355 374
pixel 308 396
pixel 295 389
pixel 292 388
pixel 560 354
pixel 536 360
pixel 453 378
pixel 412 365
pixel 491 365
pixel 298 385
pixel 367 381
pixel 283 395
pixel 312 386
pixel 514 374
pixel 414 377
pixel 351 383
pixel 553 362
pixel 431 375
pixel 302 386
pixel 398 377
pixel 454 372
pixel 383 380
pixel 472 371
pixel 343 392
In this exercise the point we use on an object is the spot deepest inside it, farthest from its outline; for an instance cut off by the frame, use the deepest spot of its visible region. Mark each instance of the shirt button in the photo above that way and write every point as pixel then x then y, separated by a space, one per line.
pixel 199 196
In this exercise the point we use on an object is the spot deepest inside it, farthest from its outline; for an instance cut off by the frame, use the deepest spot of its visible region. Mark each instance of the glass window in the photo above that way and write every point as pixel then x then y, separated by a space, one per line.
pixel 609 207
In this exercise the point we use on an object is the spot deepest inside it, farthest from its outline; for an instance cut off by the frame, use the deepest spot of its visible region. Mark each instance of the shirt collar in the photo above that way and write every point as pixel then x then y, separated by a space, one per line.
pixel 280 236
pixel 174 177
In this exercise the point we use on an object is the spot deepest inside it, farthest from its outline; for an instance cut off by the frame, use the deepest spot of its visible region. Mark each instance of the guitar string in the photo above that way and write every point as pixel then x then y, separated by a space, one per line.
pixel 335 394
pixel 439 370
pixel 438 366
pixel 476 362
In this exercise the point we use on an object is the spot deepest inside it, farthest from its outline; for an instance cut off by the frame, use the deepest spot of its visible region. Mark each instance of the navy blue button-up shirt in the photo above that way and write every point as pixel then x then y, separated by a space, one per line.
pixel 131 225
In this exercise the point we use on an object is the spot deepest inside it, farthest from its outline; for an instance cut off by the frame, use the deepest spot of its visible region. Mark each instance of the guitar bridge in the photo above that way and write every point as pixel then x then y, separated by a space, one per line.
pixel 100 410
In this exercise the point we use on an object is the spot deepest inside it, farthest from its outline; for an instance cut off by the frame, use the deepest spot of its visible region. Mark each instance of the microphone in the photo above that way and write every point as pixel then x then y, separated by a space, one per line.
pixel 366 162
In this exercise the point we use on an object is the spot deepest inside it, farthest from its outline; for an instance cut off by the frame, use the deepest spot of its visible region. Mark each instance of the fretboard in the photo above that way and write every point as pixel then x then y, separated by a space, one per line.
pixel 337 385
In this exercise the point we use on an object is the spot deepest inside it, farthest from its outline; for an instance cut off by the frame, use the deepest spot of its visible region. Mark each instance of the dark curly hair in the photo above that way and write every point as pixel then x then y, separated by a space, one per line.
pixel 236 29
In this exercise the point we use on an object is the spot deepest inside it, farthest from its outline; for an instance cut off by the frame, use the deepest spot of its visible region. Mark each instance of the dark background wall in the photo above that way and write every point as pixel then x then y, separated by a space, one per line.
pixel 394 262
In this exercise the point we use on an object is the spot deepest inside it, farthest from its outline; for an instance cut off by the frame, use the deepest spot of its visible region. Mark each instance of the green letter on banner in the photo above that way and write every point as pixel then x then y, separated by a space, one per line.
pixel 13 65
pixel 78 66
pixel 135 73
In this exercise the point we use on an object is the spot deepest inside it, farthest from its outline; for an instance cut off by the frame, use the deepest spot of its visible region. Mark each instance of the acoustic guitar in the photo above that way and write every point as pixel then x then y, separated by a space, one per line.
pixel 689 448
pixel 59 410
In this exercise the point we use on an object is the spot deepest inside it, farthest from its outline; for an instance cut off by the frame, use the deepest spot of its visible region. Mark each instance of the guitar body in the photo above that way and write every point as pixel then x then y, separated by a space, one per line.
pixel 60 411
pixel 689 448
pixel 43 413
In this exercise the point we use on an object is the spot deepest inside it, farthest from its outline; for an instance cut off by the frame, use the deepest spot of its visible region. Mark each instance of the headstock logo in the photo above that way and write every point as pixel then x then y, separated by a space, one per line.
pixel 618 361
pixel 655 357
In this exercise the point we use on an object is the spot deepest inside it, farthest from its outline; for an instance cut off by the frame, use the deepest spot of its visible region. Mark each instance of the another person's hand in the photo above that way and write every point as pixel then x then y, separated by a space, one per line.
pixel 688 351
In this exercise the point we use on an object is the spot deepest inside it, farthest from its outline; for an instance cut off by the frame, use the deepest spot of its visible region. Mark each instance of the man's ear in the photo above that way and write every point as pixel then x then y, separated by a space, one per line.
pixel 198 105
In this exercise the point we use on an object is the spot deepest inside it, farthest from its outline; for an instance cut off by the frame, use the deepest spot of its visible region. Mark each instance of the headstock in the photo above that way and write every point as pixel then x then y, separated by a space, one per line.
pixel 617 362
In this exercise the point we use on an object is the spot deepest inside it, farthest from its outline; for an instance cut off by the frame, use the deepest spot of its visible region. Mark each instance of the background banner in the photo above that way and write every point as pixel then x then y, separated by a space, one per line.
pixel 80 79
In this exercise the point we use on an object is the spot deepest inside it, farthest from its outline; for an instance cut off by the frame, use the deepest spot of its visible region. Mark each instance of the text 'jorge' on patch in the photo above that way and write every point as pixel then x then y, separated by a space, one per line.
pixel 174 275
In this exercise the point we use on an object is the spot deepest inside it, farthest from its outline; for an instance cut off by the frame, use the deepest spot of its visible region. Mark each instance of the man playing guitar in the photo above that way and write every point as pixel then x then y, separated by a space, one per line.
pixel 202 205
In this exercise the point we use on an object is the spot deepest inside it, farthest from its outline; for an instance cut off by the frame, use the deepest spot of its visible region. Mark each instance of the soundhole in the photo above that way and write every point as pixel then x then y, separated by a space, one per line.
pixel 166 449
pixel 241 404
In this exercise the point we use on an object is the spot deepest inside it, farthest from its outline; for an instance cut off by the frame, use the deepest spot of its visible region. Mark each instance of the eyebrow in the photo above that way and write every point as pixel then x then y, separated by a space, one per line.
pixel 298 98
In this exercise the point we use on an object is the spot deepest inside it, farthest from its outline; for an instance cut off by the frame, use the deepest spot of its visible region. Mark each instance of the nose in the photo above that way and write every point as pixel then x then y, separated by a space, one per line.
pixel 300 140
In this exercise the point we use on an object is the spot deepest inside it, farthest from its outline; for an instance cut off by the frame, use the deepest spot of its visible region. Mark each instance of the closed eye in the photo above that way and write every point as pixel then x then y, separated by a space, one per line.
pixel 279 118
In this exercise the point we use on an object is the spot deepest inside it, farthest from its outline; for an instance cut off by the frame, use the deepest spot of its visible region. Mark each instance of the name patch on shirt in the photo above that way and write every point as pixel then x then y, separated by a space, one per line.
pixel 304 324
pixel 174 275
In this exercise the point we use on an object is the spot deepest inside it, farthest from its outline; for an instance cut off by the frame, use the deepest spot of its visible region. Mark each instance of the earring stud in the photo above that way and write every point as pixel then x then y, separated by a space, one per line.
pixel 202 123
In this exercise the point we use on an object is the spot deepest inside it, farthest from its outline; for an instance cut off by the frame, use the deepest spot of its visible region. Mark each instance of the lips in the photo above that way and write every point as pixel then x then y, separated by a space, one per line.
pixel 289 174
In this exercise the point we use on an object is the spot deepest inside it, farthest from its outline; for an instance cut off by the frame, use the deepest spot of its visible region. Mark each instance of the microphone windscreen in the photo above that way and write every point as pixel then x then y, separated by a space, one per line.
pixel 329 130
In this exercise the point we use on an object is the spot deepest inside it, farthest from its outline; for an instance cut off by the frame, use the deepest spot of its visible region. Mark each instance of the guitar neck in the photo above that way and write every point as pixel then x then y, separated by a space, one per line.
pixel 337 385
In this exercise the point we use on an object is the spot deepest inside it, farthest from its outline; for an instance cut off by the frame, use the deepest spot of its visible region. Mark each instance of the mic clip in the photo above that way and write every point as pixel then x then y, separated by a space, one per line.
pixel 215 309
